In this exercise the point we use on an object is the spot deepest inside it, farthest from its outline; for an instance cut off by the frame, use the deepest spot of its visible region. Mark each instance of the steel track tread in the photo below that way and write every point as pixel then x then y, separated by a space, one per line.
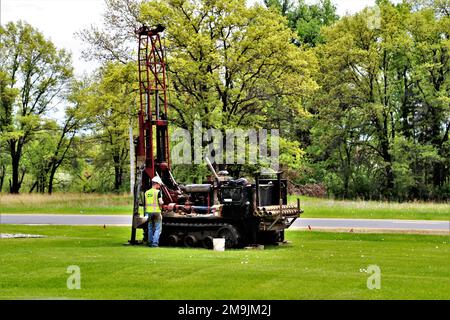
pixel 207 227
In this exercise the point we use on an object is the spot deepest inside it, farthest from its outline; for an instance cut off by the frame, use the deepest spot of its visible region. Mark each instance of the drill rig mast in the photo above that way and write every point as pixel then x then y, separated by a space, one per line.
pixel 153 121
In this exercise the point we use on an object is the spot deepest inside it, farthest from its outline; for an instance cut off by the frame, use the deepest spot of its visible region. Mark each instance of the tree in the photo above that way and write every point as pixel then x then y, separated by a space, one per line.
pixel 66 136
pixel 232 66
pixel 229 63
pixel 36 74
pixel 3 163
pixel 384 93
pixel 441 7
pixel 431 78
pixel 284 6
pixel 306 19
pixel 356 83
pixel 50 148
pixel 110 103
pixel 117 39
pixel 38 154
pixel 7 97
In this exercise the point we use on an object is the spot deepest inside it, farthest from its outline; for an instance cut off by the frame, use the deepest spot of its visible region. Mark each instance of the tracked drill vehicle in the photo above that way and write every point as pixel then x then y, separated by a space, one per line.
pixel 241 212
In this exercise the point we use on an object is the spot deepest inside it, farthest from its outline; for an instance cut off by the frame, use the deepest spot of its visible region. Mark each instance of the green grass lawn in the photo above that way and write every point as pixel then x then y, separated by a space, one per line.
pixel 325 208
pixel 70 203
pixel 314 266
pixel 92 204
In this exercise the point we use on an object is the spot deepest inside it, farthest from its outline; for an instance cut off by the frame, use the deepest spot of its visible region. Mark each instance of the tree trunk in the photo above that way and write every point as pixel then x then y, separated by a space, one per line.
pixel 56 163
pixel 437 141
pixel 389 180
pixel 51 179
pixel 15 161
pixel 2 177
pixel 346 170
pixel 389 183
pixel 42 183
pixel 438 174
pixel 34 186
pixel 118 179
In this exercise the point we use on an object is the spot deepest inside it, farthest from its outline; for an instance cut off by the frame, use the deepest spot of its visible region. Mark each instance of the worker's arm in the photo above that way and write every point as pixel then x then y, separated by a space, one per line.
pixel 160 200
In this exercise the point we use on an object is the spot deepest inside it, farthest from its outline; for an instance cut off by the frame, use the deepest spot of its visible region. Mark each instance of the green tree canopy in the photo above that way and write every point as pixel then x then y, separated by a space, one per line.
pixel 228 63
pixel 233 66
pixel 385 92
pixel 33 75
pixel 110 104
pixel 306 19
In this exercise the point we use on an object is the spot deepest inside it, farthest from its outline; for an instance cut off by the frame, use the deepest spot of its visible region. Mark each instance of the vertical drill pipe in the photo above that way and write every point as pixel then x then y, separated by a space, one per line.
pixel 157 104
pixel 166 100
pixel 150 111
pixel 279 192
pixel 257 190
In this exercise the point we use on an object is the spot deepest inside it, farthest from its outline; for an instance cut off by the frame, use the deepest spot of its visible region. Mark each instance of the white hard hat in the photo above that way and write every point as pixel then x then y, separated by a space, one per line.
pixel 157 180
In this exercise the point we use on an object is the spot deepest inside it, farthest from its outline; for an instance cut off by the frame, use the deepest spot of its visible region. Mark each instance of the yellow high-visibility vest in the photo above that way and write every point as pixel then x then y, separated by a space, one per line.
pixel 152 201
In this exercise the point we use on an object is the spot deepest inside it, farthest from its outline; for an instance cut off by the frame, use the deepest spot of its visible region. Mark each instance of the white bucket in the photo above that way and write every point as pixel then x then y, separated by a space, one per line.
pixel 219 244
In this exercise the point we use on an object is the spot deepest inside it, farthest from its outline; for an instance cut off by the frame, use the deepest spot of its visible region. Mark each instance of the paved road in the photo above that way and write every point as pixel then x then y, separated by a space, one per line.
pixel 80 220
pixel 71 220
pixel 406 225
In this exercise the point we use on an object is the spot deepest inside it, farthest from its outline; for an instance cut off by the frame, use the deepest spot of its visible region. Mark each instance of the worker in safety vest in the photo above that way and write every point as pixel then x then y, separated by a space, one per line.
pixel 153 204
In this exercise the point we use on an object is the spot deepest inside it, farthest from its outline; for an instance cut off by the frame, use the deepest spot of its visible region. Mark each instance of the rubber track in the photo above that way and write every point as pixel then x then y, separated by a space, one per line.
pixel 206 227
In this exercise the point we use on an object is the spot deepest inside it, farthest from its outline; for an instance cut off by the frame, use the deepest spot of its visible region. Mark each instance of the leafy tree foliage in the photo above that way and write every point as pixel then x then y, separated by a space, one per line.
pixel 362 102
pixel 33 74
pixel 110 104
pixel 382 115
pixel 115 41
pixel 306 19
pixel 231 66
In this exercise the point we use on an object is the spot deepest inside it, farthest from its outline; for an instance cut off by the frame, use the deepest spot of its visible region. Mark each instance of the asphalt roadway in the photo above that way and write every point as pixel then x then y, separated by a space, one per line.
pixel 413 226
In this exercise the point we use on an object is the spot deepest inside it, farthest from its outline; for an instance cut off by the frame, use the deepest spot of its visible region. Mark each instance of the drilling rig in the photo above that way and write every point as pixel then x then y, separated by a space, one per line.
pixel 194 215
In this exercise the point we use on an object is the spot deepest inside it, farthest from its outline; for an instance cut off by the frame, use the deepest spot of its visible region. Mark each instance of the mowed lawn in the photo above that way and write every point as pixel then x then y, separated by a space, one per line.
pixel 313 266
pixel 66 203
pixel 327 208
pixel 96 204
